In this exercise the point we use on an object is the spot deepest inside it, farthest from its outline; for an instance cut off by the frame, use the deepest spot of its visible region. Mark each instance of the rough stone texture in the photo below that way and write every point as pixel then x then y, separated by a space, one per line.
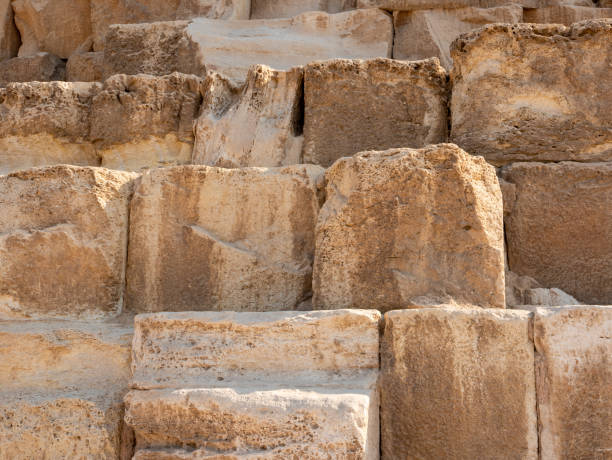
pixel 565 14
pixel 145 121
pixel 216 349
pixel 534 92
pixel 425 33
pixel 45 123
pixel 56 26
pixel 262 128
pixel 206 238
pixel 9 36
pixel 85 67
pixel 549 297
pixel 409 5
pixel 266 9
pixel 559 226
pixel 458 384
pixel 524 290
pixel 63 240
pixel 105 12
pixel 408 228
pixel 357 105
pixel 40 67
pixel 61 389
pixel 574 381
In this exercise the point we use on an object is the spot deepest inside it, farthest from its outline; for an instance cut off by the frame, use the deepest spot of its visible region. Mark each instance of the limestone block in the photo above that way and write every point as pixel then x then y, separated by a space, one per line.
pixel 63 239
pixel 61 389
pixel 266 9
pixel 45 123
pixel 574 381
pixel 565 14
pixel 408 227
pixel 559 228
pixel 422 34
pixel 524 290
pixel 552 297
pixel 145 121
pixel 458 384
pixel 56 26
pixel 9 36
pixel 40 67
pixel 105 13
pixel 85 67
pixel 356 105
pixel 262 128
pixel 519 92
pixel 409 5
pixel 205 238
pixel 212 349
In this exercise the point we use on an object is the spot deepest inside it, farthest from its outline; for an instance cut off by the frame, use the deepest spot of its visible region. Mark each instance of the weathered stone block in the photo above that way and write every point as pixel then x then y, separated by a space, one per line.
pixel 85 67
pixel 266 9
pixel 559 226
pixel 574 381
pixel 40 67
pixel 422 34
pixel 9 36
pixel 261 128
pixel 63 239
pixel 408 228
pixel 62 385
pixel 206 238
pixel 145 121
pixel 519 92
pixel 355 105
pixel 409 5
pixel 458 384
pixel 45 123
pixel 565 14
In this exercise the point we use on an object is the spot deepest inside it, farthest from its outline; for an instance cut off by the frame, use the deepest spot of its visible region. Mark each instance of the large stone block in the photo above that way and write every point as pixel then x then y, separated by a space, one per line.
pixel 63 239
pixel 9 36
pixel 574 381
pixel 422 34
pixel 355 105
pixel 409 5
pixel 61 389
pixel 565 14
pixel 55 26
pixel 206 238
pixel 559 226
pixel 232 47
pixel 85 66
pixel 145 121
pixel 519 92
pixel 408 228
pixel 261 128
pixel 458 384
pixel 45 123
pixel 40 67
pixel 266 9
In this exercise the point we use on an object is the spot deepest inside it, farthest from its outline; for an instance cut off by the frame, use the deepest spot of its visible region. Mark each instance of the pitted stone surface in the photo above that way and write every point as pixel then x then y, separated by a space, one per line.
pixel 9 35
pixel 266 9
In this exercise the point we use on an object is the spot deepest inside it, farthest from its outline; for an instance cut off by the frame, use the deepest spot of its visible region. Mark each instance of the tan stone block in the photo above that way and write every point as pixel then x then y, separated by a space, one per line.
pixel 356 105
pixel 458 384
pixel 85 67
pixel 9 35
pixel 40 67
pixel 408 228
pixel 519 92
pixel 565 14
pixel 409 5
pixel 266 9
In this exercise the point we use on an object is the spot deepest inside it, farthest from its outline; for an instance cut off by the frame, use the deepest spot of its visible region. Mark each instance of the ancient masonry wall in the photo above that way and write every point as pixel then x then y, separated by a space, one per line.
pixel 316 229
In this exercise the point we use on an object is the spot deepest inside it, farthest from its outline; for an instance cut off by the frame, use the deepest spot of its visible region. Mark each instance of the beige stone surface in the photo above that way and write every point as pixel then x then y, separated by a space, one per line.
pixel 63 241
pixel 62 384
pixel 56 26
pixel 262 127
pixel 205 238
pixel 105 13
pixel 409 5
pixel 524 290
pixel 421 34
pixel 565 14
pixel 85 66
pixel 574 381
pixel 212 349
pixel 559 226
pixel 145 121
pixel 458 384
pixel 45 123
pixel 520 92
pixel 266 9
pixel 408 227
pixel 39 67
pixel 9 35
pixel 357 105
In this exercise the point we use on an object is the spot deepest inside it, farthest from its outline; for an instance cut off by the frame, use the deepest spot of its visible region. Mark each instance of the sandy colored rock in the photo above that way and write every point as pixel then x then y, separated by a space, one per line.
pixel 262 128
pixel 40 67
pixel 565 14
pixel 62 385
pixel 357 105
pixel 574 381
pixel 9 36
pixel 266 9
pixel 520 92
pixel 145 121
pixel 458 384
pixel 408 227
pixel 85 67
pixel 206 238
pixel 559 227
pixel 105 13
pixel 421 34
pixel 524 290
pixel 63 241
pixel 409 5
pixel 55 26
